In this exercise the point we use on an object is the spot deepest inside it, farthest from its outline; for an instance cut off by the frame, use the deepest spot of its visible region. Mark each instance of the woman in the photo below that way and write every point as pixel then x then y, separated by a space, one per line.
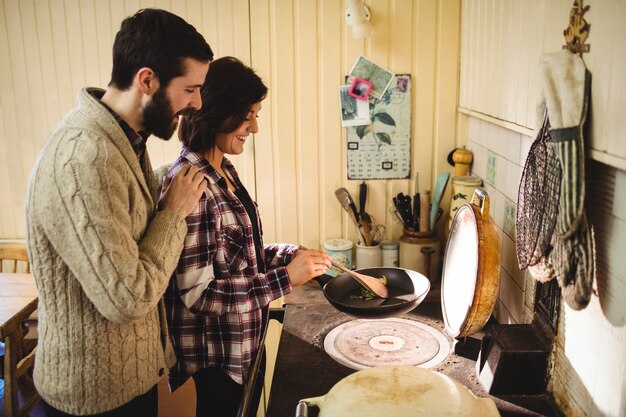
pixel 226 277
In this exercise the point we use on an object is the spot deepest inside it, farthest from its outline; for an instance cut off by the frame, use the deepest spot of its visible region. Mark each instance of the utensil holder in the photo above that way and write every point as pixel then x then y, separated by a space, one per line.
pixel 368 256
pixel 420 252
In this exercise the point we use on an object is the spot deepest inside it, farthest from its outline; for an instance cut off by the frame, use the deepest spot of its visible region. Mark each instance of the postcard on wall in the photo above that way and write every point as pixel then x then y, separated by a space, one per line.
pixel 368 70
pixel 381 149
pixel 354 112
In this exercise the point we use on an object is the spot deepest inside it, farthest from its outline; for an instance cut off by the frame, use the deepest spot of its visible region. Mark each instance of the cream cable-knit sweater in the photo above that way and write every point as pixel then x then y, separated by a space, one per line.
pixel 102 258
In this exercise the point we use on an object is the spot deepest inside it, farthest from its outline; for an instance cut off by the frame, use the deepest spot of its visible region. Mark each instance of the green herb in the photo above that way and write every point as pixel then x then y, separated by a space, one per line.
pixel 364 295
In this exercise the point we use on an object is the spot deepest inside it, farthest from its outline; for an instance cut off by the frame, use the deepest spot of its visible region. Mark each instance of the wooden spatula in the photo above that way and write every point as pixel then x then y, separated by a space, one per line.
pixel 377 286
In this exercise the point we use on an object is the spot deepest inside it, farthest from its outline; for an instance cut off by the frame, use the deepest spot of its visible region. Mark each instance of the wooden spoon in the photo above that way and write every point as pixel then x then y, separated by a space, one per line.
pixel 377 286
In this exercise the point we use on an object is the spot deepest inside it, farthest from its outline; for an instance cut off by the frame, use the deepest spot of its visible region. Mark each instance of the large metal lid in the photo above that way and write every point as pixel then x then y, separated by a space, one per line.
pixel 458 282
pixel 471 271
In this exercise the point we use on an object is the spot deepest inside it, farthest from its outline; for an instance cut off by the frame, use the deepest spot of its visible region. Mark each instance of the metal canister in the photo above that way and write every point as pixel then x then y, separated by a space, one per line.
pixel 390 254
pixel 462 190
pixel 340 251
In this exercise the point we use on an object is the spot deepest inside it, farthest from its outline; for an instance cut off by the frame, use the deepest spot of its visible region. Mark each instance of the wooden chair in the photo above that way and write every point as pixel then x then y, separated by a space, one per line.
pixel 17 354
pixel 13 254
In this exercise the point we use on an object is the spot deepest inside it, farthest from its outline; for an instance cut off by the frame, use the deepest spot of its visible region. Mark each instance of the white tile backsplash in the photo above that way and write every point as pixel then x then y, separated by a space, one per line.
pixel 479 165
pixel 514 147
pixel 620 195
pixel 499 155
pixel 524 148
pixel 492 168
pixel 473 130
pixel 497 209
pixel 509 261
pixel 512 297
pixel 513 177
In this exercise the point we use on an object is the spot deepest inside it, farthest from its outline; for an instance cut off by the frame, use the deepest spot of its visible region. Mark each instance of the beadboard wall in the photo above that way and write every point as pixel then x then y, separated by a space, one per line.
pixel 301 48
pixel 500 49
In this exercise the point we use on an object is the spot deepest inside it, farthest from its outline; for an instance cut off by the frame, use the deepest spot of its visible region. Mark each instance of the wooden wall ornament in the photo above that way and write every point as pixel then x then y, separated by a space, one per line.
pixel 577 31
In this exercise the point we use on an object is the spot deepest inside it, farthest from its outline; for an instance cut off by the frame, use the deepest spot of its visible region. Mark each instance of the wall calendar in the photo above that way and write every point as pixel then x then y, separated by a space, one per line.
pixel 382 148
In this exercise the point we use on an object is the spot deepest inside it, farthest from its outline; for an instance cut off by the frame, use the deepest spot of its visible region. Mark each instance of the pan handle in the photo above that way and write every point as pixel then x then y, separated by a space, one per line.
pixel 302 410
pixel 481 194
pixel 323 279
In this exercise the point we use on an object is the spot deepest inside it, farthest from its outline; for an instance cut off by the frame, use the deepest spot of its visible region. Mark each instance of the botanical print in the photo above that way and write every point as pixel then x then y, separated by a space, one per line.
pixel 381 149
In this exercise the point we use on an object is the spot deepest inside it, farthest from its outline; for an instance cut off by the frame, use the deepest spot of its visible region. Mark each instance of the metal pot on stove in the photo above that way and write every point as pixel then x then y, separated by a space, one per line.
pixel 404 391
pixel 471 272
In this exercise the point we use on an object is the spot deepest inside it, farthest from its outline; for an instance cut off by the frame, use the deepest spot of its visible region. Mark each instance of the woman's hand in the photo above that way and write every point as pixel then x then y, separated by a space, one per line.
pixel 306 265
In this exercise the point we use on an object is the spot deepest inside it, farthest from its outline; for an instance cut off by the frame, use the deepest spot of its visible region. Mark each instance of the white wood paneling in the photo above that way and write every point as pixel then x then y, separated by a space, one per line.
pixel 304 49
pixel 502 44
pixel 51 48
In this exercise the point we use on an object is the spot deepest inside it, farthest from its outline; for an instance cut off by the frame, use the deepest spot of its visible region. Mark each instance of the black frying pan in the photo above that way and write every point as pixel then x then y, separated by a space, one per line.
pixel 407 289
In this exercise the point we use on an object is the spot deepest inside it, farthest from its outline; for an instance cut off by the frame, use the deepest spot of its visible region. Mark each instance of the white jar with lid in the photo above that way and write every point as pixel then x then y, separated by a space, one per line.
pixel 340 251
pixel 390 254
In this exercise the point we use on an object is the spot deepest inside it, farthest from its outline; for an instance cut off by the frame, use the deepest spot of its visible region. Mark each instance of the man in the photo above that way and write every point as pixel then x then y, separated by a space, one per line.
pixel 101 251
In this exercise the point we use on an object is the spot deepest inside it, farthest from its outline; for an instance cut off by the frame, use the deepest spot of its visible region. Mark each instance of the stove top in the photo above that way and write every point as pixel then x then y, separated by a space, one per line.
pixel 361 344
pixel 303 369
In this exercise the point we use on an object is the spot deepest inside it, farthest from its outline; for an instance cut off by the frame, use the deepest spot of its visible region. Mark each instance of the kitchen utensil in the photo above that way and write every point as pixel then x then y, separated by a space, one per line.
pixel 406 391
pixel 346 201
pixel 362 197
pixel 364 217
pixel 416 204
pixel 374 285
pixel 537 200
pixel 407 289
pixel 461 159
pixel 378 233
pixel 440 186
pixel 403 206
pixel 471 271
pixel 424 212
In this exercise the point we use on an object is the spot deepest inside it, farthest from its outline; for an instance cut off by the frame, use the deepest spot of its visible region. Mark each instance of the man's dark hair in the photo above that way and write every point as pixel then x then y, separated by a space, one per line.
pixel 159 40
pixel 228 92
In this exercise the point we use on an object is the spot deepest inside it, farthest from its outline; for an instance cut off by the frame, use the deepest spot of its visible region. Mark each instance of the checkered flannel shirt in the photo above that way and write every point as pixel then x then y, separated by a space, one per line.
pixel 215 298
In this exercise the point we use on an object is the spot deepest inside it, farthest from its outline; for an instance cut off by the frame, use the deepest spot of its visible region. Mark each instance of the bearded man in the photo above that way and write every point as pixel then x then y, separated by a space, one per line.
pixel 101 250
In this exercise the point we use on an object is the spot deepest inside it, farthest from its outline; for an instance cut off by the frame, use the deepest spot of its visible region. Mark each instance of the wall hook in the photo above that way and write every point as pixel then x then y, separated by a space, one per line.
pixel 577 31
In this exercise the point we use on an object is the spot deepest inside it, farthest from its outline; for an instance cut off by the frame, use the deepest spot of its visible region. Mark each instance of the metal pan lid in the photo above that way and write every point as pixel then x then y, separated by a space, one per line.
pixel 471 273
pixel 458 282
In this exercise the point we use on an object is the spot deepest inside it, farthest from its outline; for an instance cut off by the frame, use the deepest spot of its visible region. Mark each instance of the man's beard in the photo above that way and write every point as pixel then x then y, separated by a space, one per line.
pixel 158 116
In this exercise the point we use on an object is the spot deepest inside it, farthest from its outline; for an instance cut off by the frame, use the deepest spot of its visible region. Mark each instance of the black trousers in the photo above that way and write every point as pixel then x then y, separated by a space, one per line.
pixel 219 396
pixel 145 405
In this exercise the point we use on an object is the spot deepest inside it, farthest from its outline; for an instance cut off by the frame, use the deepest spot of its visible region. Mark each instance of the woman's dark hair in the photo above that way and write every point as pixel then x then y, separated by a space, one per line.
pixel 229 90
pixel 159 40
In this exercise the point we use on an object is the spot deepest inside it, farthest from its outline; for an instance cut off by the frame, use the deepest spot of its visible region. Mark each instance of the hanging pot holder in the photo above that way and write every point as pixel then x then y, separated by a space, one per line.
pixel 574 264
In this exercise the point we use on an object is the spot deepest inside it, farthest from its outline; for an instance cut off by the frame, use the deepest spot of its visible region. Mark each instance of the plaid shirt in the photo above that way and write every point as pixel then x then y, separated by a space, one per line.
pixel 137 139
pixel 215 298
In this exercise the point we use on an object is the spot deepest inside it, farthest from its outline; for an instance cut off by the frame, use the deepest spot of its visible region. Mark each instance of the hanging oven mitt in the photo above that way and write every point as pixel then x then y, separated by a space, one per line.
pixel 565 86
pixel 574 264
